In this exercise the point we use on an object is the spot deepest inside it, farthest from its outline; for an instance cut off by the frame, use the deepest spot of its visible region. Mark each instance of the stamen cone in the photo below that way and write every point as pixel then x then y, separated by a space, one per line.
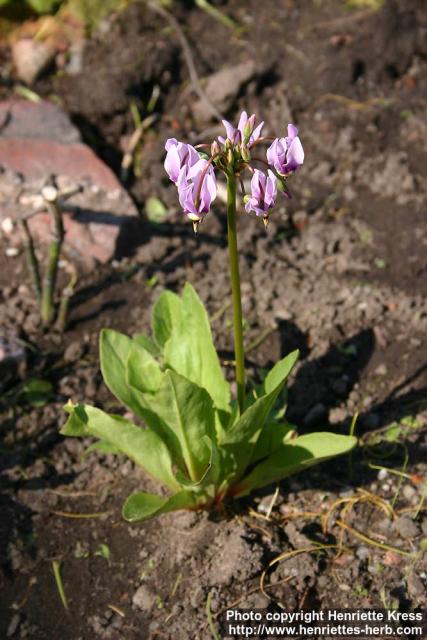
pixel 196 225
pixel 265 221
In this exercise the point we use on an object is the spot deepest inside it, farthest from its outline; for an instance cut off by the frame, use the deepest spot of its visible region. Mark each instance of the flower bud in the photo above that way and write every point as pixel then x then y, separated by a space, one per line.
pixel 245 153
pixel 215 148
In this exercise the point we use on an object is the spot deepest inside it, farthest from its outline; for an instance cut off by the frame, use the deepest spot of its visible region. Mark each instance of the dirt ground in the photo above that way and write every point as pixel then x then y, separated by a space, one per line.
pixel 341 273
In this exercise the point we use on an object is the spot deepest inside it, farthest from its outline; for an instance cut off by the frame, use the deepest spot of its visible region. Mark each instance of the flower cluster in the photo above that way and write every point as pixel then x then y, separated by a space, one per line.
pixel 194 175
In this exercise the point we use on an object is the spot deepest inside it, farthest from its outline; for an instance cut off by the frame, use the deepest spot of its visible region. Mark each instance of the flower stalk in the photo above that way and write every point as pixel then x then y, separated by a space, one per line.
pixel 235 289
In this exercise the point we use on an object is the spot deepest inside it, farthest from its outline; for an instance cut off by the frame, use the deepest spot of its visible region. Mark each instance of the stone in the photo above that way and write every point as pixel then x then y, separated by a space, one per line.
pixel 12 357
pixel 13 625
pixel 316 415
pixel 143 598
pixel 223 87
pixel 406 527
pixel 31 57
pixel 38 141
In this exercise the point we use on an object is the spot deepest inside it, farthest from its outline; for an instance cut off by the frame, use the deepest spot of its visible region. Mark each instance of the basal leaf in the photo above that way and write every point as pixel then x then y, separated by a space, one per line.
pixel 142 370
pixel 148 344
pixel 142 506
pixel 114 348
pixel 239 443
pixel 143 446
pixel 103 447
pixel 272 437
pixel 298 454
pixel 191 352
pixel 281 371
pixel 186 411
pixel 166 315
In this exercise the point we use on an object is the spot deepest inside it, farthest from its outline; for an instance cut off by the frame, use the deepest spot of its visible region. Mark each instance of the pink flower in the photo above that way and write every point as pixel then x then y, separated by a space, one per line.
pixel 263 193
pixel 286 154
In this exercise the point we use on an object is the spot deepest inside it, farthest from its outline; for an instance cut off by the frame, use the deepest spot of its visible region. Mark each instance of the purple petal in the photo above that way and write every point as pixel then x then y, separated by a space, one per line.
pixel 270 190
pixel 256 132
pixel 221 139
pixel 170 142
pixel 242 123
pixel 292 131
pixel 229 129
pixel 295 155
pixel 172 163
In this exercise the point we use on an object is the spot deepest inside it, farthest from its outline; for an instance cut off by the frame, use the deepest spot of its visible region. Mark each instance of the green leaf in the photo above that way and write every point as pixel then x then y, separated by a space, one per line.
pixel 141 506
pixel 272 436
pixel 211 474
pixel 166 314
pixel 298 454
pixel 147 343
pixel 143 446
pixel 104 552
pixel 43 6
pixel 239 442
pixel 187 416
pixel 281 371
pixel 191 352
pixel 155 210
pixel 103 447
pixel 142 370
pixel 36 392
pixel 114 350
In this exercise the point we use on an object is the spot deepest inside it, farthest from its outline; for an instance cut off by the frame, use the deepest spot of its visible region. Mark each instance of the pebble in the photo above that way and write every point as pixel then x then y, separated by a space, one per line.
pixel 13 625
pixel 143 598
pixel 382 474
pixel 7 226
pixel 362 552
pixel 406 527
pixel 12 252
pixel 73 351
pixel 315 415
pixel 409 492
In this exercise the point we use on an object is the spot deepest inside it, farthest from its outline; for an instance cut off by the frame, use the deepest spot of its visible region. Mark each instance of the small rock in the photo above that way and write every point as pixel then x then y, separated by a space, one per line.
pixel 13 625
pixel 381 370
pixel 362 552
pixel 12 252
pixel 382 474
pixel 223 87
pixel 73 352
pixel 7 226
pixel 406 527
pixel 409 492
pixel 416 589
pixel 31 58
pixel 316 414
pixel 143 598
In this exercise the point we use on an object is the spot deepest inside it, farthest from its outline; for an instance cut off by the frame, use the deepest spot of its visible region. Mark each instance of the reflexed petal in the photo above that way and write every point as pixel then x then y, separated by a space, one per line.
pixel 172 163
pixel 242 123
pixel 256 187
pixel 292 131
pixel 295 155
pixel 170 142
pixel 272 152
pixel 256 132
pixel 270 190
pixel 229 129
pixel 221 139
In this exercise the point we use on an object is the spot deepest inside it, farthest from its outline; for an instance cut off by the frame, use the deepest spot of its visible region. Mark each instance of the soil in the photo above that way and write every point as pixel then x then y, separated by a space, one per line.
pixel 341 274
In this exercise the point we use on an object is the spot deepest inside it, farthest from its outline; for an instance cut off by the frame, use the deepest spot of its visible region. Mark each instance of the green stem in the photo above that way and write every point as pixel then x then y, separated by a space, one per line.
pixel 235 289
pixel 49 280
pixel 32 261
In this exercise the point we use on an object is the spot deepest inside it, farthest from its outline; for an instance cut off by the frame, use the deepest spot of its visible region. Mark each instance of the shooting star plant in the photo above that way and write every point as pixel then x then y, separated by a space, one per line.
pixel 204 446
